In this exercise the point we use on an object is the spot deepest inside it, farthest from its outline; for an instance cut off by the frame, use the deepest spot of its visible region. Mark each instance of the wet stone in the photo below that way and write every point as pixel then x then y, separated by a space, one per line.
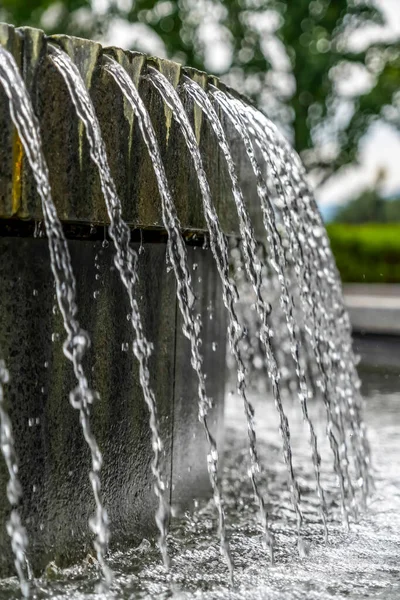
pixel 53 457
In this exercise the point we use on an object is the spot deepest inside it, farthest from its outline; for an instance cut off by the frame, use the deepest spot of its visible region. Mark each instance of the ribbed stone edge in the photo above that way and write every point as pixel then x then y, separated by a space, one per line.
pixel 74 180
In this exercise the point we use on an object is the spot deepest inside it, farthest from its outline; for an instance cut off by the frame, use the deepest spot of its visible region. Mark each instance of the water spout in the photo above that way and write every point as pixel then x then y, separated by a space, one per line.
pixel 287 302
pixel 322 302
pixel 126 264
pixel 78 340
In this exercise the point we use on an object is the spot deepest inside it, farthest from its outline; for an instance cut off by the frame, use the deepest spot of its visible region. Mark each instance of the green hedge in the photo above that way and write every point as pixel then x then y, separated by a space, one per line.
pixel 367 253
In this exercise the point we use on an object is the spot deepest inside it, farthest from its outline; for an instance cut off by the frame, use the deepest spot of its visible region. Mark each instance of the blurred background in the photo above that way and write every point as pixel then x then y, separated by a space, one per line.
pixel 328 73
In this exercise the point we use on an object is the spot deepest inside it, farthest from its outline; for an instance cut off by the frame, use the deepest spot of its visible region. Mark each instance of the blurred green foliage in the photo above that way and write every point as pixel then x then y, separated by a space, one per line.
pixel 30 13
pixel 367 253
pixel 369 207
pixel 301 91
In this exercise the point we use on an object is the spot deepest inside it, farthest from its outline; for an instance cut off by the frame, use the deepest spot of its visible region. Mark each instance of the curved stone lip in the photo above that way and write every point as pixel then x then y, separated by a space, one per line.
pixel 75 187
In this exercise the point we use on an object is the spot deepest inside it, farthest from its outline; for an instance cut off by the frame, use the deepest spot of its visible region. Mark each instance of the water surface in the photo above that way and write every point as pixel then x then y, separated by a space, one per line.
pixel 364 563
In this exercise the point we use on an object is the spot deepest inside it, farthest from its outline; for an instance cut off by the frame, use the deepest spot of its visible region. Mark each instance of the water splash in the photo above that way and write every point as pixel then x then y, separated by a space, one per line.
pixel 219 249
pixel 330 330
pixel 254 269
pixel 126 264
pixel 15 528
pixel 178 257
pixel 77 340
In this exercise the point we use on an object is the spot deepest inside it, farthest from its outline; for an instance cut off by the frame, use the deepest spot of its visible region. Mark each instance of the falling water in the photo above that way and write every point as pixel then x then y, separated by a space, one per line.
pixel 220 252
pixel 77 341
pixel 326 323
pixel 348 381
pixel 15 529
pixel 254 269
pixel 178 257
pixel 306 274
pixel 279 263
pixel 126 263
pixel 329 319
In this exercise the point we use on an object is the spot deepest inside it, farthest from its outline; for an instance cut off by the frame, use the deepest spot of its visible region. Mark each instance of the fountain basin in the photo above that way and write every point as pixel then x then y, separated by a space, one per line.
pixel 53 458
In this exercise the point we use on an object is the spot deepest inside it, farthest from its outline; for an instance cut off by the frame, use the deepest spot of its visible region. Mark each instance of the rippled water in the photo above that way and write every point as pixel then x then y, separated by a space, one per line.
pixel 361 564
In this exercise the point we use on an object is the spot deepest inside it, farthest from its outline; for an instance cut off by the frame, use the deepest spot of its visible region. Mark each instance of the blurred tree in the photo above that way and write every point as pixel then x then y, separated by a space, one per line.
pixel 370 206
pixel 75 17
pixel 295 58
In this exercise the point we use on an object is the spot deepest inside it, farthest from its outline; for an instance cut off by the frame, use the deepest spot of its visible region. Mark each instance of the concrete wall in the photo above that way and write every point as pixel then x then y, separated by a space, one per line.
pixel 53 457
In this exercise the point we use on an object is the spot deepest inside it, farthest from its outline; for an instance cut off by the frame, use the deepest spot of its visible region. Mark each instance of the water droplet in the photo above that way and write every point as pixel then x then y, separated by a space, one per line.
pixel 4 374
pixel 317 231
pixel 214 346
pixel 35 293
pixel 125 347
pixel 105 244
pixel 55 337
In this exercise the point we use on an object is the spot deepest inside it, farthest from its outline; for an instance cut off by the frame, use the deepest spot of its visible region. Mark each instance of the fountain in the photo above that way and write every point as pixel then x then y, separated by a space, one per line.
pixel 122 180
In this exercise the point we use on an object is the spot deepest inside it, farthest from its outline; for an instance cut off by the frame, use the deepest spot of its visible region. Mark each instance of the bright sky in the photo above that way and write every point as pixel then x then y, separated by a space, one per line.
pixel 381 147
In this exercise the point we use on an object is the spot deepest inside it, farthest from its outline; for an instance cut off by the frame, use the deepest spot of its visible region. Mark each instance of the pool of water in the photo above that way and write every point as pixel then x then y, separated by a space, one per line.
pixel 361 563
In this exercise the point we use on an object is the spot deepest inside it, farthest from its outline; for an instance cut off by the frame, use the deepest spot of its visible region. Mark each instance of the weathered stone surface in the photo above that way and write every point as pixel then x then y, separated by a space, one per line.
pixel 11 152
pixel 74 179
pixel 54 460
pixel 188 480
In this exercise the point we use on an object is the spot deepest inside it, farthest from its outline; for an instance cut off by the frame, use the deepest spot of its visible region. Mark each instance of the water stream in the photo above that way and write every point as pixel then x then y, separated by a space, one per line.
pixel 331 329
pixel 15 528
pixel 220 252
pixel 304 274
pixel 78 340
pixel 254 268
pixel 126 263
pixel 178 257
pixel 264 495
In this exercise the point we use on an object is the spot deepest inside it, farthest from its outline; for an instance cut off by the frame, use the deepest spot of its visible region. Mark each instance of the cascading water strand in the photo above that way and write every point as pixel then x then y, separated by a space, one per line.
pixel 332 294
pixel 178 258
pixel 218 243
pixel 126 263
pixel 278 261
pixel 78 340
pixel 254 268
pixel 324 329
pixel 15 528
pixel 338 324
pixel 305 276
